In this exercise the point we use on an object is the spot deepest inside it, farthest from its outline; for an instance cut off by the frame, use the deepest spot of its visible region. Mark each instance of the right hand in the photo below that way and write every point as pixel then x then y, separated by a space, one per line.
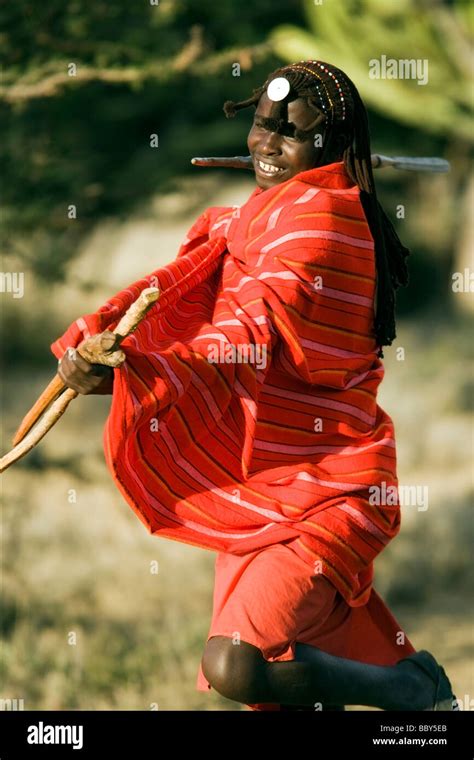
pixel 84 377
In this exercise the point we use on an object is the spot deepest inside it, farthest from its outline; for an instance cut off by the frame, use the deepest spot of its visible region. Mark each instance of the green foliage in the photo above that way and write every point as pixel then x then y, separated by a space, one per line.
pixel 167 70
pixel 141 69
pixel 352 33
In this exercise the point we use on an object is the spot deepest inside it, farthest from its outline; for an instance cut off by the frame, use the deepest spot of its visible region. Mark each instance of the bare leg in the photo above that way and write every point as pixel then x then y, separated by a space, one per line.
pixel 308 708
pixel 326 679
pixel 314 678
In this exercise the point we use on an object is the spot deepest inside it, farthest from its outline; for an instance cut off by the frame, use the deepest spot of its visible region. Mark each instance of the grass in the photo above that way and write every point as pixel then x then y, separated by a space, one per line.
pixel 86 624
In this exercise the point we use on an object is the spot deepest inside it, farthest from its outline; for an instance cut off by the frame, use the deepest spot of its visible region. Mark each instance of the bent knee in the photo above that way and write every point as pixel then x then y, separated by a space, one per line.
pixel 235 670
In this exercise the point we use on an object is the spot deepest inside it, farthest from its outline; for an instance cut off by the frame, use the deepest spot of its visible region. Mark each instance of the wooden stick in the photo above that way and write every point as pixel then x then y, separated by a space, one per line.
pixel 95 350
pixel 414 163
pixel 98 349
pixel 50 393
pixel 50 417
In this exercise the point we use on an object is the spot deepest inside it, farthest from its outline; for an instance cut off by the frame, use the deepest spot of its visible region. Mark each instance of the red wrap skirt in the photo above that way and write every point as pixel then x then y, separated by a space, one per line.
pixel 272 599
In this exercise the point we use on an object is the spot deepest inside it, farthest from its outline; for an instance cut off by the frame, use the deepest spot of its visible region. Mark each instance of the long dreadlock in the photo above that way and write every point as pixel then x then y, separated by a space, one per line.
pixel 332 92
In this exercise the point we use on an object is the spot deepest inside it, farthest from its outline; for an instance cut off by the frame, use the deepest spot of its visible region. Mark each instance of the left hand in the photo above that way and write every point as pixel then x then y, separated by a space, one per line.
pixel 84 377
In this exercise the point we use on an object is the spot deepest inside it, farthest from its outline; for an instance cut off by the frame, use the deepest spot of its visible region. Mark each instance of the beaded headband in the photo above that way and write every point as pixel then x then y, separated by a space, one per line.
pixel 324 97
pixel 329 91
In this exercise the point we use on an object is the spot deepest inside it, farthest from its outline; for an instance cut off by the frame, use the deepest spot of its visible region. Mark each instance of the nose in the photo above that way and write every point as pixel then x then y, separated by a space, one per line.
pixel 270 144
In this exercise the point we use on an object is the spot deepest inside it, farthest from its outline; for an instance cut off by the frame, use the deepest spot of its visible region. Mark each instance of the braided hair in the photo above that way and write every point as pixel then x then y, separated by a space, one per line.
pixel 330 90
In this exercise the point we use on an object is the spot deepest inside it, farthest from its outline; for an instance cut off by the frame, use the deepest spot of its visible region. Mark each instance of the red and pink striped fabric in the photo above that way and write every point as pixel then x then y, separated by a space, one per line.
pixel 246 413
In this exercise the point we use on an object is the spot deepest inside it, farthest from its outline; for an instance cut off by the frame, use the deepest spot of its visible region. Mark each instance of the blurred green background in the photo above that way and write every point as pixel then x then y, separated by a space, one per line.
pixel 74 557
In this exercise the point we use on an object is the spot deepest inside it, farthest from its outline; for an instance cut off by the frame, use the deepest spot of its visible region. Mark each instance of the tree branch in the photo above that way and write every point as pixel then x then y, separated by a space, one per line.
pixel 44 86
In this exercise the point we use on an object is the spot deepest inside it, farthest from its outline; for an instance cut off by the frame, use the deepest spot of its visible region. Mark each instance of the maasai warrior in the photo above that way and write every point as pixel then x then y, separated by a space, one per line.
pixel 245 419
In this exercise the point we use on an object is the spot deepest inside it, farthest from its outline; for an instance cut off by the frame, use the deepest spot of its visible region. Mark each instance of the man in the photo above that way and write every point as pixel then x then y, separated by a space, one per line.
pixel 271 466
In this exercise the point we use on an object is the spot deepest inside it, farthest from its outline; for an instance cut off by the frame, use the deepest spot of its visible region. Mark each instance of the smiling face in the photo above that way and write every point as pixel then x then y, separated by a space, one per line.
pixel 279 157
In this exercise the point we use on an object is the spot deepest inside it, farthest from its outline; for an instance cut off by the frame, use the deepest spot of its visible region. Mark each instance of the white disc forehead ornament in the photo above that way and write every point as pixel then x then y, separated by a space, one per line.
pixel 278 88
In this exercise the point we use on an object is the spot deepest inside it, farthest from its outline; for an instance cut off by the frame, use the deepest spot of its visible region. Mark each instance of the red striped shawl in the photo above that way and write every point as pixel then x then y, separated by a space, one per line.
pixel 245 413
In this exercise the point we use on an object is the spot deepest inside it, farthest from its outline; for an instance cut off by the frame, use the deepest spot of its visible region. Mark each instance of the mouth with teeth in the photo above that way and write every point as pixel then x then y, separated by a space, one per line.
pixel 268 170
